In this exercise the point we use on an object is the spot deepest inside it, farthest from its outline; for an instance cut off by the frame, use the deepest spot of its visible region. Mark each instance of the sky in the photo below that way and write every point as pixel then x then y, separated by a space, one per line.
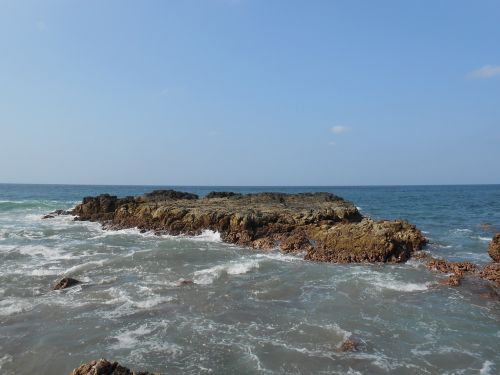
pixel 250 92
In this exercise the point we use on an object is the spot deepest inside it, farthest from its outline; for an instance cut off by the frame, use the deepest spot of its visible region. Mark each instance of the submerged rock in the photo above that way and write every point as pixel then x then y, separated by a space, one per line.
pixel 105 367
pixel 66 282
pixel 324 226
pixel 348 346
pixel 494 249
pixel 55 213
pixel 457 269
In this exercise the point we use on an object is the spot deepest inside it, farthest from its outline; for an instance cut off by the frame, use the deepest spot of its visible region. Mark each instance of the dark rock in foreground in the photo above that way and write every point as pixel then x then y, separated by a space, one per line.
pixel 325 226
pixel 66 282
pixel 104 367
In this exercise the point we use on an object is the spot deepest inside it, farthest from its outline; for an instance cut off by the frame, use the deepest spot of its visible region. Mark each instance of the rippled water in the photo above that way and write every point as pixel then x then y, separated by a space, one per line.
pixel 246 312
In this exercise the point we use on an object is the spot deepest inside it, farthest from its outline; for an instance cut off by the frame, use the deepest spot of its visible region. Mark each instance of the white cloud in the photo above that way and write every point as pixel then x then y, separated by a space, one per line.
pixel 339 129
pixel 486 71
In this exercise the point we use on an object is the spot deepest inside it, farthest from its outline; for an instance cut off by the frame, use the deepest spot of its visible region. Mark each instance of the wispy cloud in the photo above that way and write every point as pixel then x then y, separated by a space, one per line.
pixel 486 71
pixel 339 129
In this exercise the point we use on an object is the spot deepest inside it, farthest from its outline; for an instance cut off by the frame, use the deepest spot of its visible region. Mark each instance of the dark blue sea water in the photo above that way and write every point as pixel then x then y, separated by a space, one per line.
pixel 248 312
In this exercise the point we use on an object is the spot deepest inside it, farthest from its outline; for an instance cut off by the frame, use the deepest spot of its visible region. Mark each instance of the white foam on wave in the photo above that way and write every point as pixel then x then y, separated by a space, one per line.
pixel 487 368
pixel 11 306
pixel 207 236
pixel 83 266
pixel 209 275
pixel 462 230
pixel 388 281
pixel 44 272
pixel 484 238
pixel 402 286
pixel 280 257
pixel 152 302
pixel 5 359
pixel 128 339
pixel 49 253
pixel 338 330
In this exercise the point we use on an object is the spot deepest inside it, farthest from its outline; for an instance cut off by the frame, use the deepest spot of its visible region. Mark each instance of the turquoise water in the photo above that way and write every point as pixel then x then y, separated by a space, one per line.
pixel 247 312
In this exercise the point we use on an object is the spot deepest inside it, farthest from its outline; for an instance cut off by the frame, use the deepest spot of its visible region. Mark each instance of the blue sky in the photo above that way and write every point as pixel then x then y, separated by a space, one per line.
pixel 249 92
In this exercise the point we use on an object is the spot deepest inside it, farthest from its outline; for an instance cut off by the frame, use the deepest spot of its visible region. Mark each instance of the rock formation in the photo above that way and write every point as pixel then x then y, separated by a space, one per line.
pixel 326 227
pixel 494 249
pixel 491 271
pixel 66 282
pixel 348 346
pixel 105 367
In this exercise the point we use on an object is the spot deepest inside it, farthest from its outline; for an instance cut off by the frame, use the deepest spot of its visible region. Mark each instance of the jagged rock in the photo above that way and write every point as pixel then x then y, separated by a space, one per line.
pixel 266 243
pixel 185 282
pixel 55 213
pixel 348 346
pixel 453 280
pixel 457 269
pixel 221 194
pixel 366 241
pixel 66 282
pixel 325 226
pixel 169 194
pixel 450 267
pixel 491 272
pixel 105 367
pixel 296 242
pixel 494 249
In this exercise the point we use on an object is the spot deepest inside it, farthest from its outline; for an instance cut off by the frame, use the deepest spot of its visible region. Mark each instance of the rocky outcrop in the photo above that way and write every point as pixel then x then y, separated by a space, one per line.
pixel 66 282
pixel 456 270
pixel 491 272
pixel 55 213
pixel 324 226
pixel 105 367
pixel 348 345
pixel 494 249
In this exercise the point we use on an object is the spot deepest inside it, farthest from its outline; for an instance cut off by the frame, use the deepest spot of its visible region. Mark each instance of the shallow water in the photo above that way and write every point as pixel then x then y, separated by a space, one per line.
pixel 247 311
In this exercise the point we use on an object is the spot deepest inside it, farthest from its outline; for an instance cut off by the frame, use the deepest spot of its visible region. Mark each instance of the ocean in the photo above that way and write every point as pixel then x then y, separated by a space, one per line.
pixel 247 312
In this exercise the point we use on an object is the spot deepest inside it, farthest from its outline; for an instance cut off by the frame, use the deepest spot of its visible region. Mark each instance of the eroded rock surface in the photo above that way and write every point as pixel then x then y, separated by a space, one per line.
pixel 491 272
pixel 66 282
pixel 105 367
pixel 325 226
pixel 494 249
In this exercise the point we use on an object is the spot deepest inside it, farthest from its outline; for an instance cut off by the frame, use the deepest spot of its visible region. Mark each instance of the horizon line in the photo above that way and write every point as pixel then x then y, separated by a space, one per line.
pixel 244 186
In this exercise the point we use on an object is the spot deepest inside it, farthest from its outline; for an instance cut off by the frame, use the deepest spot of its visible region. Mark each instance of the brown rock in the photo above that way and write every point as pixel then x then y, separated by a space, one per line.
pixel 266 243
pixel 450 267
pixel 105 367
pixel 452 280
pixel 366 241
pixel 348 346
pixel 491 272
pixel 66 282
pixel 325 226
pixel 48 216
pixel 494 249
pixel 295 243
